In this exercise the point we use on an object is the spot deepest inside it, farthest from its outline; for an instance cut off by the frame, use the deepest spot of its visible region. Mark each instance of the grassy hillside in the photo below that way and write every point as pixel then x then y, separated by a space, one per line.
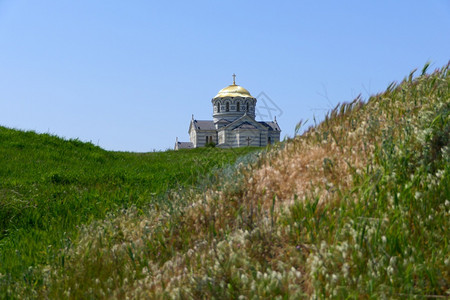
pixel 49 187
pixel 357 207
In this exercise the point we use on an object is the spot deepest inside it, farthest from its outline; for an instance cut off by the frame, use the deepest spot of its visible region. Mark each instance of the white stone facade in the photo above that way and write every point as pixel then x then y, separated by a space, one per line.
pixel 233 124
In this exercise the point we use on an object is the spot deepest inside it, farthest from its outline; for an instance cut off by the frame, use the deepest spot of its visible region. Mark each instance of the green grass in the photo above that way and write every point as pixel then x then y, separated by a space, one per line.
pixel 49 187
pixel 367 216
pixel 356 207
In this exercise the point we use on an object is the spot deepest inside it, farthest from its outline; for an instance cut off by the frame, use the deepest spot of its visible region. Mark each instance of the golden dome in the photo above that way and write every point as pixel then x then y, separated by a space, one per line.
pixel 233 91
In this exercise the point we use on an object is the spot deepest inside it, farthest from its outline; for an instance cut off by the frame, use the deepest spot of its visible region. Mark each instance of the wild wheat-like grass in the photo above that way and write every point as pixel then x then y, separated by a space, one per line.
pixel 357 206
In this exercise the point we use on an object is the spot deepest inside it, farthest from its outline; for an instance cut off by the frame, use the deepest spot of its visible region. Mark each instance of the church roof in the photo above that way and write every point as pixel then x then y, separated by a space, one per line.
pixel 246 125
pixel 185 145
pixel 233 90
pixel 204 125
pixel 271 125
pixel 245 119
pixel 223 121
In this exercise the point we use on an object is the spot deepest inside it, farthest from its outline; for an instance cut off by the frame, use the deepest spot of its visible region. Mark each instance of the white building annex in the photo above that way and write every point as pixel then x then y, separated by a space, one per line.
pixel 233 124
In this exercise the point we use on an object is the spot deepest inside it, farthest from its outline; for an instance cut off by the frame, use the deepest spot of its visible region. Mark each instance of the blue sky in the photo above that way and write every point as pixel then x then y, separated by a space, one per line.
pixel 128 75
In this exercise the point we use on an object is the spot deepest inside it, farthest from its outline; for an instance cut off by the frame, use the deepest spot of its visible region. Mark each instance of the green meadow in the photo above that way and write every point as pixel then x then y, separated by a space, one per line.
pixel 49 187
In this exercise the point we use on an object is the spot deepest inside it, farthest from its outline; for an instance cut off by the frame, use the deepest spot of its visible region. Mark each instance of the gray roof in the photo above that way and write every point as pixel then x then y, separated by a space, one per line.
pixel 245 125
pixel 224 121
pixel 271 125
pixel 204 125
pixel 185 145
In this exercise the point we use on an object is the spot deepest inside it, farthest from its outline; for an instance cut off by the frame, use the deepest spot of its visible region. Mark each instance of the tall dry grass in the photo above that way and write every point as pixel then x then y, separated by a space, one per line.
pixel 357 206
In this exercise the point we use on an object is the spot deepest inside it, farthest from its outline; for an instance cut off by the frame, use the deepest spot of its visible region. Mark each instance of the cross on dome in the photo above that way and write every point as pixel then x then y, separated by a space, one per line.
pixel 234 79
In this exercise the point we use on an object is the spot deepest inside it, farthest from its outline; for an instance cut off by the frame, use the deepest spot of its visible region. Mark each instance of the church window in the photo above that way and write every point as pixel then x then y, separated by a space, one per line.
pixel 238 107
pixel 248 107
pixel 218 107
pixel 269 140
pixel 227 106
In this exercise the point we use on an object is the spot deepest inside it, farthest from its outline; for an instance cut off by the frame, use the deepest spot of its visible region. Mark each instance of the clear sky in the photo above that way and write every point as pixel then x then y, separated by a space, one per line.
pixel 128 75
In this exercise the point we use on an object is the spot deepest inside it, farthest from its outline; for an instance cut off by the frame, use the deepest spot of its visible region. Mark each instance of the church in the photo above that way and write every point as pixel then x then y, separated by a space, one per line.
pixel 233 124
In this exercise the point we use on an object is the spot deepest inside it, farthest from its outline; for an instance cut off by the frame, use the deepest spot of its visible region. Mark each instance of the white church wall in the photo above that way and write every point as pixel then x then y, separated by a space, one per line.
pixel 251 137
pixel 202 135
pixel 222 137
pixel 193 137
pixel 274 136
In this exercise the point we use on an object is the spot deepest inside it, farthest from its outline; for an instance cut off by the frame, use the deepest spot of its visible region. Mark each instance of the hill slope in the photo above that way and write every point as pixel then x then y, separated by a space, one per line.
pixel 49 187
pixel 357 207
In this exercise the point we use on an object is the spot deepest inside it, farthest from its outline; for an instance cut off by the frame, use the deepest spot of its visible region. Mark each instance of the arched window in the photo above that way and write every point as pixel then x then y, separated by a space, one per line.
pixel 248 107
pixel 218 107
pixel 227 106
pixel 238 106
